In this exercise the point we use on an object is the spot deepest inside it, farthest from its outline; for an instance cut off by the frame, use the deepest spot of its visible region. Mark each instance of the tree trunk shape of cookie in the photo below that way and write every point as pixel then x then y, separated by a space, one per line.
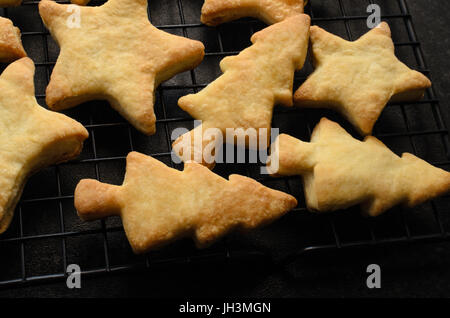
pixel 31 137
pixel 159 204
pixel 358 78
pixel 10 43
pixel 215 12
pixel 339 171
pixel 253 82
pixel 112 52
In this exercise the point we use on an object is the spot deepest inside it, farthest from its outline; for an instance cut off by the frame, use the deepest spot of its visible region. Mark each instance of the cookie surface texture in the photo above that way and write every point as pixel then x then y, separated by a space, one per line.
pixel 31 137
pixel 10 43
pixel 358 78
pixel 340 171
pixel 112 52
pixel 159 205
pixel 215 12
pixel 252 83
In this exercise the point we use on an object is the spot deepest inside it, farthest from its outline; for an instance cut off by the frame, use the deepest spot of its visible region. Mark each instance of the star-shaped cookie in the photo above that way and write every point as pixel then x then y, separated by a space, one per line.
pixel 358 78
pixel 31 137
pixel 114 53
pixel 340 171
pixel 159 205
pixel 10 43
pixel 253 82
pixel 10 3
pixel 215 12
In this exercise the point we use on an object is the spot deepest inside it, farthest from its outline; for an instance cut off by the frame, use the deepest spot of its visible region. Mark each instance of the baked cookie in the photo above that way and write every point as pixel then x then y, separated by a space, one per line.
pixel 339 171
pixel 159 205
pixel 215 12
pixel 10 43
pixel 114 53
pixel 253 82
pixel 358 78
pixel 10 3
pixel 31 137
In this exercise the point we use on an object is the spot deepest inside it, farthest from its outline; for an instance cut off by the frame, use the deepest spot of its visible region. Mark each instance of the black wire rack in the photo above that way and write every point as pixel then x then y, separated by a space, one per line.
pixel 46 234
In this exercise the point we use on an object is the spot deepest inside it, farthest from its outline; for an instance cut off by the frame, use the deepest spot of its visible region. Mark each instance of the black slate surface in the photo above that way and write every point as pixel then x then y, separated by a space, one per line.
pixel 407 270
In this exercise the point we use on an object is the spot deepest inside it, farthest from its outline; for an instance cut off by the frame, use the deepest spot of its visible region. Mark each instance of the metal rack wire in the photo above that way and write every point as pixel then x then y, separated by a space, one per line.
pixel 46 235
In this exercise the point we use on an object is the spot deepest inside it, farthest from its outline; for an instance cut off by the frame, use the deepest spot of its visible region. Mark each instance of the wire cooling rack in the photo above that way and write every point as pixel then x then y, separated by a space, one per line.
pixel 46 234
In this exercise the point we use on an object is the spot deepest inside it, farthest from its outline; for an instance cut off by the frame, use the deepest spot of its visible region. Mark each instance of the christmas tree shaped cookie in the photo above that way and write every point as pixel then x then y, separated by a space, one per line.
pixel 253 82
pixel 31 137
pixel 112 52
pixel 10 43
pixel 358 78
pixel 159 205
pixel 215 12
pixel 339 171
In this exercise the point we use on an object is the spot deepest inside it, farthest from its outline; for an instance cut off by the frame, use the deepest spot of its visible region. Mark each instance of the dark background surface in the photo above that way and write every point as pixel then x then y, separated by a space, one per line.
pixel 407 271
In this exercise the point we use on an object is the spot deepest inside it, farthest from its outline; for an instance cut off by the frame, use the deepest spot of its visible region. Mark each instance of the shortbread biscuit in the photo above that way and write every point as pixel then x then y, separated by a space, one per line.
pixel 31 137
pixel 114 53
pixel 358 78
pixel 10 43
pixel 10 3
pixel 339 171
pixel 253 82
pixel 215 12
pixel 159 205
